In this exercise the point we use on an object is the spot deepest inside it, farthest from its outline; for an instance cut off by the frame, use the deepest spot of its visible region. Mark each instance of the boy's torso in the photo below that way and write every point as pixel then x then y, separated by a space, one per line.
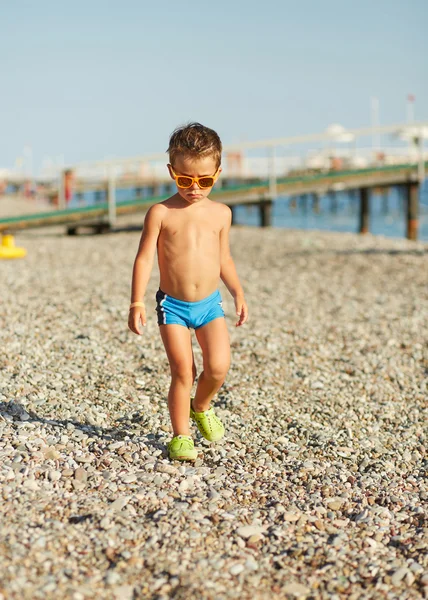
pixel 189 249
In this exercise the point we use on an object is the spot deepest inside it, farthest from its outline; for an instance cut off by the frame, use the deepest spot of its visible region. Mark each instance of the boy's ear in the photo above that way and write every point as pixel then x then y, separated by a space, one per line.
pixel 170 172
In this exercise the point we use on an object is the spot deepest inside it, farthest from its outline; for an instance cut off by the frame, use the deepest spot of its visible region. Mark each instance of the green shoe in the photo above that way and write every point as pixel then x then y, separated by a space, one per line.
pixel 181 447
pixel 208 424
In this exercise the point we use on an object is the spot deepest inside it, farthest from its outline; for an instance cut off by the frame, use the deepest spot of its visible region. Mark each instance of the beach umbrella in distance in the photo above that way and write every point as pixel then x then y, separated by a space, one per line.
pixel 415 136
pixel 338 135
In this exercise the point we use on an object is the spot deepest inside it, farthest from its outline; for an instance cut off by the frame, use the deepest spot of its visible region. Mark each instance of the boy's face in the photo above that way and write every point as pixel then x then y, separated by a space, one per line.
pixel 194 167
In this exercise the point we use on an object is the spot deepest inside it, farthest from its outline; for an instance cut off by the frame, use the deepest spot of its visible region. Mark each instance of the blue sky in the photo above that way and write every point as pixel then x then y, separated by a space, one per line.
pixel 96 79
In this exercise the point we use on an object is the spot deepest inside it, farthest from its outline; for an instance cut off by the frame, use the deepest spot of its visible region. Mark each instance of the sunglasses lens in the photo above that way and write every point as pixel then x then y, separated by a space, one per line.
pixel 206 182
pixel 184 182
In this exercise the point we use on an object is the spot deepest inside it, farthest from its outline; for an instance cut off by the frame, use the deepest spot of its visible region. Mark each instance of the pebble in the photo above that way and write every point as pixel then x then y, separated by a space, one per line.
pixel 119 503
pixel 84 459
pixel 80 474
pixel 398 576
pixel 296 589
pixel 247 531
pixel 165 468
pixel 236 569
pixel 309 475
pixel 184 486
pixel 30 484
pixel 251 565
pixel 129 478
pixel 105 523
pixel 334 503
pixel 112 578
pixel 123 592
pixel 291 517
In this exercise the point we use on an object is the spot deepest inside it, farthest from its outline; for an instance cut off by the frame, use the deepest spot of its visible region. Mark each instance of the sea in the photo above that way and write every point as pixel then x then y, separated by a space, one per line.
pixel 332 212
pixel 341 213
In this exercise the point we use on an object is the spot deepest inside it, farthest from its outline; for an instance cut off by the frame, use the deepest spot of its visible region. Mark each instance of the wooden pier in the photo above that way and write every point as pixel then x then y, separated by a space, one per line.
pixel 262 193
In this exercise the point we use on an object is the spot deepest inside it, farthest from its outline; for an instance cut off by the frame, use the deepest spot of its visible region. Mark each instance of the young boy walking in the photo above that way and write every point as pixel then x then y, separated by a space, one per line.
pixel 191 235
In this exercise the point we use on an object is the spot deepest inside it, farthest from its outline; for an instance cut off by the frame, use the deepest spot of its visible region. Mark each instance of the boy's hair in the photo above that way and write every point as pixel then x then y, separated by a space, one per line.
pixel 196 141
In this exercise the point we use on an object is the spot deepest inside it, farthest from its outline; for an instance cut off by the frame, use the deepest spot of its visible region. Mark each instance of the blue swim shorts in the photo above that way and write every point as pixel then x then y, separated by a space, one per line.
pixel 189 314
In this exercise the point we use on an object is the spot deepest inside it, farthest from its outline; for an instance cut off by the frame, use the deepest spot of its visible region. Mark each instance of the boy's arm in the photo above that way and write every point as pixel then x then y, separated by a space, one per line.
pixel 228 273
pixel 143 265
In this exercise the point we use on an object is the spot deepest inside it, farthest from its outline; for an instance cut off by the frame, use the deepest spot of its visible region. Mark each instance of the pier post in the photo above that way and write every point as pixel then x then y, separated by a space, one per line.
pixel 62 204
pixel 99 195
pixel 385 203
pixel 354 201
pixel 304 201
pixel 111 198
pixel 233 209
pixel 412 196
pixel 157 189
pixel 316 203
pixel 272 174
pixel 265 209
pixel 364 210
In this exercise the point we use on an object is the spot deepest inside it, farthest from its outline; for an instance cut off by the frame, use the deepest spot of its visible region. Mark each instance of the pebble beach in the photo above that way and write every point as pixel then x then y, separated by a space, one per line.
pixel 319 489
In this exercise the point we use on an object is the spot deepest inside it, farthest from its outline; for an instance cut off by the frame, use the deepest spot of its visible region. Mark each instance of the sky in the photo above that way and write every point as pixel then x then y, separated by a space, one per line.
pixel 94 79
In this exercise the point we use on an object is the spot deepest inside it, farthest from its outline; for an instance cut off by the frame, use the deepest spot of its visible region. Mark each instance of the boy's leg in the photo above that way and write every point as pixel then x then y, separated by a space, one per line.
pixel 213 339
pixel 178 346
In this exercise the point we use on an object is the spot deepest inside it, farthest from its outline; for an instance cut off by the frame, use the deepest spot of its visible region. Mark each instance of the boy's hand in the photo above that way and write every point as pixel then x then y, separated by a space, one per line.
pixel 241 311
pixel 136 315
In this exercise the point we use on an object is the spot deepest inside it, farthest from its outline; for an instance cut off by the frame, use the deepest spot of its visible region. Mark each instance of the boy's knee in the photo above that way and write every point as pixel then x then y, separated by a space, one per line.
pixel 183 373
pixel 218 371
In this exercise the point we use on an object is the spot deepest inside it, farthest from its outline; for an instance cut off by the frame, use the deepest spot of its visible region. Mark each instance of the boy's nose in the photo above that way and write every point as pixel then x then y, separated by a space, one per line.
pixel 194 186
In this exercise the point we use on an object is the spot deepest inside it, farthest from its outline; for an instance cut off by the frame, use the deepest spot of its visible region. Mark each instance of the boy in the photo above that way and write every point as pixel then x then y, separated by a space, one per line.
pixel 191 234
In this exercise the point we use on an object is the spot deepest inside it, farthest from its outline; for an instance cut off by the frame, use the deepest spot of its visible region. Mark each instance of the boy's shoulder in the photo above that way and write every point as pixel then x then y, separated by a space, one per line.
pixel 159 209
pixel 219 207
pixel 171 202
pixel 221 213
pixel 154 215
pixel 224 211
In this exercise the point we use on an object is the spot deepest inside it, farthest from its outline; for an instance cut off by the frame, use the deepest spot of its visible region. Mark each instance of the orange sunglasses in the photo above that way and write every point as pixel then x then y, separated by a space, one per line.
pixel 184 181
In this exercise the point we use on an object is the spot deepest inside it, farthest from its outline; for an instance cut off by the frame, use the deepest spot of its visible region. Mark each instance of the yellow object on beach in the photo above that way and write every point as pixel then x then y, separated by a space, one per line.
pixel 9 250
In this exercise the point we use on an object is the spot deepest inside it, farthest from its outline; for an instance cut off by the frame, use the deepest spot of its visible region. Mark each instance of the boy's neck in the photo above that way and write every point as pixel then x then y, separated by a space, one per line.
pixel 182 202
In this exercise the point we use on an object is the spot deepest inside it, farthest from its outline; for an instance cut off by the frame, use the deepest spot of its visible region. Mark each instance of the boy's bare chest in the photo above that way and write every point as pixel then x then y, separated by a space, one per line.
pixel 195 231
